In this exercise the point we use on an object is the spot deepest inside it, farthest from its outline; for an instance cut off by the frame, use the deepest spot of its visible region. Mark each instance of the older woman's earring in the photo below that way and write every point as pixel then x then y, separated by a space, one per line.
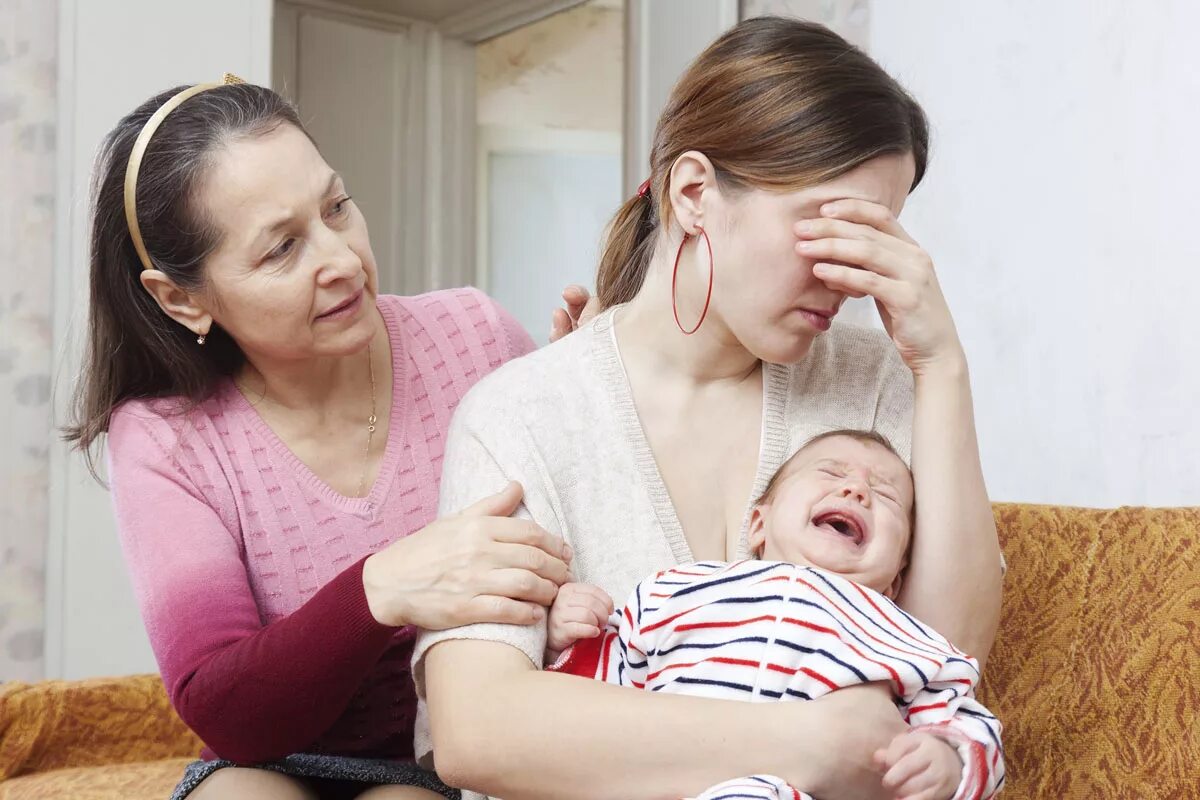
pixel 201 339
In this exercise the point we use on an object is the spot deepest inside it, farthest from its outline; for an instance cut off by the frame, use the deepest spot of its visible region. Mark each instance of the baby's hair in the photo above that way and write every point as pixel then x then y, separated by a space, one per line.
pixel 859 435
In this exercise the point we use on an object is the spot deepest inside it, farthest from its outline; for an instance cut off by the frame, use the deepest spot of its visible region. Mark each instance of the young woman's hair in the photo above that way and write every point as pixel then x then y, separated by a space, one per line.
pixel 776 104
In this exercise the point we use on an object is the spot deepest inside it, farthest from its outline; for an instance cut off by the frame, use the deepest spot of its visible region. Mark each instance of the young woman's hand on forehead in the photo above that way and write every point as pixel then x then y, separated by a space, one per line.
pixel 861 250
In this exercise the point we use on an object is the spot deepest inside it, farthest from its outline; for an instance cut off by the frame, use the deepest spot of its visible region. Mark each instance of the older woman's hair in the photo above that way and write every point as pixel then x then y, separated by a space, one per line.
pixel 776 104
pixel 133 349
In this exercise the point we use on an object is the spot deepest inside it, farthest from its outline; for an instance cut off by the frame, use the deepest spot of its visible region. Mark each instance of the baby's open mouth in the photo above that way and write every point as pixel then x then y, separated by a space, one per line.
pixel 843 523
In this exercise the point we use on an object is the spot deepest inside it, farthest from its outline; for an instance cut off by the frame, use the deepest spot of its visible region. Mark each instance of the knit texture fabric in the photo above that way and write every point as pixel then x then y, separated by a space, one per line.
pixel 248 568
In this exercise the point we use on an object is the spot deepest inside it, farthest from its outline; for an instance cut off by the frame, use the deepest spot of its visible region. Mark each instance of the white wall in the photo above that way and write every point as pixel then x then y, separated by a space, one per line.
pixel 1061 209
pixel 547 212
pixel 112 57
pixel 661 38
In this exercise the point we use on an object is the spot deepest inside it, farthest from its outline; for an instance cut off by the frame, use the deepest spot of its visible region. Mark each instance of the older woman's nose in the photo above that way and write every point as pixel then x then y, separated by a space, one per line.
pixel 337 260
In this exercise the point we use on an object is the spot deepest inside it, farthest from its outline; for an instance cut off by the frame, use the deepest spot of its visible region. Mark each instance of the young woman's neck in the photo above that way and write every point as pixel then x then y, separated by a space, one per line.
pixel 320 384
pixel 647 329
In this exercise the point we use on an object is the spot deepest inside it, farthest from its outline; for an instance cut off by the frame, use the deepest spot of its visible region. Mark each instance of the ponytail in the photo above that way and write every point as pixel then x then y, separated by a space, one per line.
pixel 627 251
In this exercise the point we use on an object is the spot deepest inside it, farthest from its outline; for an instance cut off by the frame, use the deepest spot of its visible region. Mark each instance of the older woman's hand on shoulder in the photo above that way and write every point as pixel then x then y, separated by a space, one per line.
pixel 581 307
pixel 479 565
pixel 863 251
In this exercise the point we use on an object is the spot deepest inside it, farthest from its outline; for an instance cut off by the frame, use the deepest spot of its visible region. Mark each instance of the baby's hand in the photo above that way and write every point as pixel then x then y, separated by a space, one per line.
pixel 920 766
pixel 580 611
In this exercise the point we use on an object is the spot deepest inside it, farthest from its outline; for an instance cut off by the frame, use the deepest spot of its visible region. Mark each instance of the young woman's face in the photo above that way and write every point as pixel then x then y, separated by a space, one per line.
pixel 293 276
pixel 763 291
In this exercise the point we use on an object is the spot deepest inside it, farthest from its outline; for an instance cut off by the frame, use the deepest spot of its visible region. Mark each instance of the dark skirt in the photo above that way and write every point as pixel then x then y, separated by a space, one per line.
pixel 342 776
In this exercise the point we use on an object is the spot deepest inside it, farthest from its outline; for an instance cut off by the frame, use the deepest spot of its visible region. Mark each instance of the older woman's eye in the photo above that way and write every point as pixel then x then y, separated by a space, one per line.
pixel 282 249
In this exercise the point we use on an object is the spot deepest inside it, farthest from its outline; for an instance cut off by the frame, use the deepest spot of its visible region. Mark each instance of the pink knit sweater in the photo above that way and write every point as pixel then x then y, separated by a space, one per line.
pixel 248 568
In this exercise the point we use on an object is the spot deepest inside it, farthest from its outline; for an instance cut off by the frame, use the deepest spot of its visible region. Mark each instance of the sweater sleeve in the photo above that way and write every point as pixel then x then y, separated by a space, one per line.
pixel 894 402
pixel 472 470
pixel 251 692
pixel 517 341
pixel 484 451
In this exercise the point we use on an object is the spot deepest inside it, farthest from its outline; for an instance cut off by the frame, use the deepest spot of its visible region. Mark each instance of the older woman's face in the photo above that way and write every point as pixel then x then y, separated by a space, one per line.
pixel 293 276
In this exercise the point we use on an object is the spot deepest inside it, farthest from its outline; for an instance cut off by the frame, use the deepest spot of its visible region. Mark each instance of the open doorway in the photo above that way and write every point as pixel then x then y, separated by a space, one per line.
pixel 548 170
pixel 480 138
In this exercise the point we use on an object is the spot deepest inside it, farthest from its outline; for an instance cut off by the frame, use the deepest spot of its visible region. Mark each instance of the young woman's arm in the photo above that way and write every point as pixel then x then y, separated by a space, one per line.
pixel 953 582
pixel 954 577
pixel 505 729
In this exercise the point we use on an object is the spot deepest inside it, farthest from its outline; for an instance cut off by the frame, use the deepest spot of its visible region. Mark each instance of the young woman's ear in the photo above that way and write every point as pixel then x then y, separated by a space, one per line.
pixel 692 175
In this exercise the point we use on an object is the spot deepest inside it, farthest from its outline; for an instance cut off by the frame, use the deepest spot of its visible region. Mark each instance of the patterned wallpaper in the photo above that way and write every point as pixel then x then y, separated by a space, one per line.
pixel 28 40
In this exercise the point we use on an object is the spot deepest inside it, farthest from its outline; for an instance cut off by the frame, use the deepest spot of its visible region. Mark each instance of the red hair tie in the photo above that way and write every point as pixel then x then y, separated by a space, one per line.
pixel 644 189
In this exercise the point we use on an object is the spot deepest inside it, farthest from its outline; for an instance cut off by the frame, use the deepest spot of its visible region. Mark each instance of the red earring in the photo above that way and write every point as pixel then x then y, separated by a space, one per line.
pixel 675 280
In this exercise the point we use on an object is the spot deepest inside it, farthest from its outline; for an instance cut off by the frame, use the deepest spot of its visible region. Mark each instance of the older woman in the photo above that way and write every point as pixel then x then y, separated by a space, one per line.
pixel 275 429
pixel 778 169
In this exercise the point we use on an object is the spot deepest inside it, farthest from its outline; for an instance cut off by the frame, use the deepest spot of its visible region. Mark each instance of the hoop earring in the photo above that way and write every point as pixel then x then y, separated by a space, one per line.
pixel 675 281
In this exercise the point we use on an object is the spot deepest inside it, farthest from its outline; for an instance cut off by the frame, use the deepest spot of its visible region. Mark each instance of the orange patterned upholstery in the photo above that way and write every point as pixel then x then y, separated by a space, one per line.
pixel 1095 673
pixel 106 737
pixel 1096 668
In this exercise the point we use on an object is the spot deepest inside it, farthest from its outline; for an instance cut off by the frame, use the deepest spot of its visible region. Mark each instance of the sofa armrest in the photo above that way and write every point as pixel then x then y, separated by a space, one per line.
pixel 60 724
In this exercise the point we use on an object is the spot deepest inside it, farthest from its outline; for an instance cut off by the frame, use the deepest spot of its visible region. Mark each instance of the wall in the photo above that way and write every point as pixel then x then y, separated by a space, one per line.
pixel 1060 209
pixel 391 103
pixel 112 57
pixel 28 42
pixel 549 112
pixel 563 72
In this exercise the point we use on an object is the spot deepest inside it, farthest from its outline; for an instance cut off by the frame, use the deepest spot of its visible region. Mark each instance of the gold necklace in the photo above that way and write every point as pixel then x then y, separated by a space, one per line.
pixel 362 481
pixel 371 420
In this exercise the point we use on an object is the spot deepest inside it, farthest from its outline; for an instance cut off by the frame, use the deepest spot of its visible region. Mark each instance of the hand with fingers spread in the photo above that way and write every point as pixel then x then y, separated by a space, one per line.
pixel 581 307
pixel 479 565
pixel 920 766
pixel 860 249
pixel 580 611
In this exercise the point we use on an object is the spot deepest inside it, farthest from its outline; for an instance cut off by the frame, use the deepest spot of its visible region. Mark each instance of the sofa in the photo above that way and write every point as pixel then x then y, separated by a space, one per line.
pixel 1095 673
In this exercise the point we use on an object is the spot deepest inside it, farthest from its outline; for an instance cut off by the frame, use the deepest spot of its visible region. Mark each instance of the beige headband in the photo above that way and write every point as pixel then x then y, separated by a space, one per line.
pixel 139 150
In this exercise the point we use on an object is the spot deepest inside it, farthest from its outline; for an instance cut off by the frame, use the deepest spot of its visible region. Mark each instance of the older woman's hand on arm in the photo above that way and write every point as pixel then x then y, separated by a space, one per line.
pixel 954 577
pixel 478 565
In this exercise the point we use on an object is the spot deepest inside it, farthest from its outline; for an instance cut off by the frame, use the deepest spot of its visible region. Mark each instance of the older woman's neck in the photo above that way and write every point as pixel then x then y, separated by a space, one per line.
pixel 320 385
pixel 646 330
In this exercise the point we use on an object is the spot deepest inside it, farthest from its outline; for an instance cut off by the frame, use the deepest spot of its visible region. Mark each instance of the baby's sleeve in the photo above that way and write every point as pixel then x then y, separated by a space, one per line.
pixel 947 708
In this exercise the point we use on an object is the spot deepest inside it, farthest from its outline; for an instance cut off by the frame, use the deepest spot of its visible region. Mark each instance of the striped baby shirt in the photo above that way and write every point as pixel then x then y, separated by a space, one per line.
pixel 764 631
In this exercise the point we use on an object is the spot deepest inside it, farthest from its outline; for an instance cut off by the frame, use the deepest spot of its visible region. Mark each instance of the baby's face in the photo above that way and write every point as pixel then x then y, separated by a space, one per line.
pixel 843 505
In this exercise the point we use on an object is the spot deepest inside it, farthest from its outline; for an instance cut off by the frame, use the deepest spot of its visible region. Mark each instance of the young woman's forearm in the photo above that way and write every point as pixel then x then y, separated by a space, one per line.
pixel 953 582
pixel 502 728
